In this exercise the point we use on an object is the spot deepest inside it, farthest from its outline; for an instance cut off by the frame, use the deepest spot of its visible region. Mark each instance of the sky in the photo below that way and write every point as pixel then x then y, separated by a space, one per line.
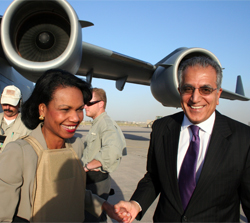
pixel 149 30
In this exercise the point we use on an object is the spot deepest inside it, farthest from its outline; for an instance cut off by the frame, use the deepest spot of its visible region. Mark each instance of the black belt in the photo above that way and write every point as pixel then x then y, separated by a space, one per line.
pixel 95 176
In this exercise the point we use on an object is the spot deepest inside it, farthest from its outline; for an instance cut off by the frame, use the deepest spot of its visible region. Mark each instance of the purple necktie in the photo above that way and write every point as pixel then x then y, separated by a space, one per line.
pixel 187 173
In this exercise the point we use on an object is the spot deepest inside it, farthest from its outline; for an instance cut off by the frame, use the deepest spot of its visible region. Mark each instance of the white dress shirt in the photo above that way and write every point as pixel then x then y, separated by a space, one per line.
pixel 186 134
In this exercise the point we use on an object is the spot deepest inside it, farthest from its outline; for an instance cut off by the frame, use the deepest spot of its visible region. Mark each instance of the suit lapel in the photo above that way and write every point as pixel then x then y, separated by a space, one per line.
pixel 170 142
pixel 215 153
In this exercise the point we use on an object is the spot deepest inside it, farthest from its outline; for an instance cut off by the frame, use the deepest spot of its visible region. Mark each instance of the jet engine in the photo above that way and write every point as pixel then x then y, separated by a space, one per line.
pixel 164 82
pixel 41 35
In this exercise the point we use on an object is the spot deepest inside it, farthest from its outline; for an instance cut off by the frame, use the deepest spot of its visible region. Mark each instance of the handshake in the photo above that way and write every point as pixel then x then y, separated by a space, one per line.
pixel 124 211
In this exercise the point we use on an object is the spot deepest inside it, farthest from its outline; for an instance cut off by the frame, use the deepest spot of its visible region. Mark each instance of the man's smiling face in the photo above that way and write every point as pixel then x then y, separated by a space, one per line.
pixel 197 107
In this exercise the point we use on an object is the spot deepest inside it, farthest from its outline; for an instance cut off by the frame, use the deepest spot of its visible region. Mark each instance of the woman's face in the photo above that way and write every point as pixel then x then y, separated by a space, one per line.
pixel 63 114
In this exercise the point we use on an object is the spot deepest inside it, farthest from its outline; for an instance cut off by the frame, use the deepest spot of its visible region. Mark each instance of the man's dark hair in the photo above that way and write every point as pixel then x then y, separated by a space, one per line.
pixel 203 62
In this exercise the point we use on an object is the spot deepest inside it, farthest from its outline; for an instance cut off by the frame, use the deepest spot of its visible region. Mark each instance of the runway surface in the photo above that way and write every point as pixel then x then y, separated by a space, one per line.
pixel 132 167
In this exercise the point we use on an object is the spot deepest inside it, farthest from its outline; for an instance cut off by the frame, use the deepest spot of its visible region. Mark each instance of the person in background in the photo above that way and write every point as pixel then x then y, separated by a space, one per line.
pixel 11 125
pixel 104 146
pixel 198 159
pixel 41 175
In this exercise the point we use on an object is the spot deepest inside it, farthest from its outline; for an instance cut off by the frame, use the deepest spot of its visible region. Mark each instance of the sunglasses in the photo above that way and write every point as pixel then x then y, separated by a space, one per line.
pixel 92 102
pixel 203 90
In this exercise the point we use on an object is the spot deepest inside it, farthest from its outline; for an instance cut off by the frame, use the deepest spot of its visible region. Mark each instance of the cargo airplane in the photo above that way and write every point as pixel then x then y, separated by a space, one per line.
pixel 41 35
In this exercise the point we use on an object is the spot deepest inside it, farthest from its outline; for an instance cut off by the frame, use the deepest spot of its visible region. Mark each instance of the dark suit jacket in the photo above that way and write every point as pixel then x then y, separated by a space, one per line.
pixel 224 181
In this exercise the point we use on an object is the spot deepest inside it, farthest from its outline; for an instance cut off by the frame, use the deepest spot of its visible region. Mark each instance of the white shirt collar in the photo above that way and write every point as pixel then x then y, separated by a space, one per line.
pixel 9 121
pixel 206 126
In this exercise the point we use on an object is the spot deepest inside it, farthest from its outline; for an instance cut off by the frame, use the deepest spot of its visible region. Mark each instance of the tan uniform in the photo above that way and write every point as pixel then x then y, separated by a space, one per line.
pixel 13 131
pixel 18 164
pixel 104 142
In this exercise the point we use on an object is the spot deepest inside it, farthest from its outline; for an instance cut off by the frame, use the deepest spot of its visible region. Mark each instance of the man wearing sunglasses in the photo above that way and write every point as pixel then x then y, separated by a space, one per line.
pixel 198 159
pixel 104 147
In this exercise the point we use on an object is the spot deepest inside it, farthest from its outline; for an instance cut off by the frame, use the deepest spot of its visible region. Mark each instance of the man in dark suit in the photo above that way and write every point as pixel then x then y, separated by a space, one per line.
pixel 200 177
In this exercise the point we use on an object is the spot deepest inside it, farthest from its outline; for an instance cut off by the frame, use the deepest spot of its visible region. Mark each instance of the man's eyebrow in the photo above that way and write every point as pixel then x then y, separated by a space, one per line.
pixel 189 85
pixel 206 85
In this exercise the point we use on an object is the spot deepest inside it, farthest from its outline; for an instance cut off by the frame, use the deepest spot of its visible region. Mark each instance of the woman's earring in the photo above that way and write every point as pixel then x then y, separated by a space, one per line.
pixel 41 117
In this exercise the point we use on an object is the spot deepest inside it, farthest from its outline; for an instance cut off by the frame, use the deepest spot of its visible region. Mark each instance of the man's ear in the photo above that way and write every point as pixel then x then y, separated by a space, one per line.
pixel 218 95
pixel 101 104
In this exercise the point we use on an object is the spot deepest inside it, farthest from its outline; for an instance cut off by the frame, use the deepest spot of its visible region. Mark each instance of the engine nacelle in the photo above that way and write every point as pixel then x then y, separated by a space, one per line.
pixel 41 35
pixel 164 82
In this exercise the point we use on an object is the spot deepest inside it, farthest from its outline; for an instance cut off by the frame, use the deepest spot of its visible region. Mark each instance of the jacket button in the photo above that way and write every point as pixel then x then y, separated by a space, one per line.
pixel 184 218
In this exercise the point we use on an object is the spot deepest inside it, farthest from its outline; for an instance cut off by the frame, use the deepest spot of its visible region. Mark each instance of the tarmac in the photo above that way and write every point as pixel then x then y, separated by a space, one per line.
pixel 132 167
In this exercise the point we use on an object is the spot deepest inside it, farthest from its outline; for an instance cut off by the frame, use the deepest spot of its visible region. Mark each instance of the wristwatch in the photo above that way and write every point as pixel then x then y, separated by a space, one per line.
pixel 87 167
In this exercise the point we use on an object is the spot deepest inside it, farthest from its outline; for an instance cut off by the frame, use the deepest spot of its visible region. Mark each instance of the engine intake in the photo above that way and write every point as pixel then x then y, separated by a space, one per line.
pixel 39 39
pixel 41 35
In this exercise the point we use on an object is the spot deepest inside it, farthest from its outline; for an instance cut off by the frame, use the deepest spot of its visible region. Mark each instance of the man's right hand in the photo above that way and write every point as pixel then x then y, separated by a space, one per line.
pixel 131 207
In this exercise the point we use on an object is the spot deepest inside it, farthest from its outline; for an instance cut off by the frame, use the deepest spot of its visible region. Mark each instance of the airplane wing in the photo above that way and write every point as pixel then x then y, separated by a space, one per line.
pixel 106 64
pixel 102 63
pixel 41 35
pixel 233 96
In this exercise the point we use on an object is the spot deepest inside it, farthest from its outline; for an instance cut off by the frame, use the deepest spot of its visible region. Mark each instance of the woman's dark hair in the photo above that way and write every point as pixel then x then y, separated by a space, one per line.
pixel 44 90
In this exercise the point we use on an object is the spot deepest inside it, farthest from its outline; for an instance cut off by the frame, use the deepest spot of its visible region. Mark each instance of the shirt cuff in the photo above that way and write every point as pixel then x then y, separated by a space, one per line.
pixel 138 205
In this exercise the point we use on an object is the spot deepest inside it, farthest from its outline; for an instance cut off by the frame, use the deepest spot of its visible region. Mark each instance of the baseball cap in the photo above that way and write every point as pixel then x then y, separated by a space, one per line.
pixel 11 95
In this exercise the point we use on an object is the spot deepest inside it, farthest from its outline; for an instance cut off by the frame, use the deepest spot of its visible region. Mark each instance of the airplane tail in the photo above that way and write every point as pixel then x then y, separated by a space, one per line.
pixel 239 86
